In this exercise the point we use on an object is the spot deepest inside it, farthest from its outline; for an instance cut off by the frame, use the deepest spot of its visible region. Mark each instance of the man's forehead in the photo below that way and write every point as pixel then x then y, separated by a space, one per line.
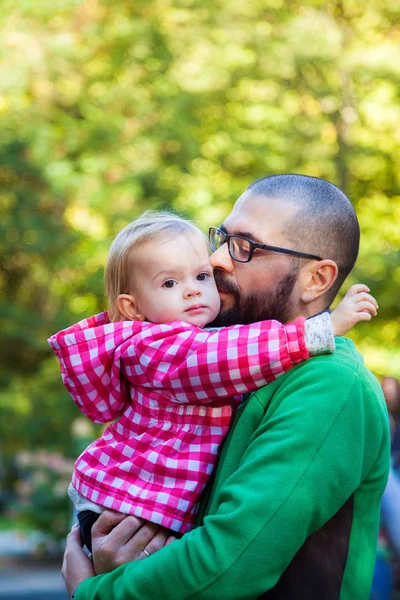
pixel 259 216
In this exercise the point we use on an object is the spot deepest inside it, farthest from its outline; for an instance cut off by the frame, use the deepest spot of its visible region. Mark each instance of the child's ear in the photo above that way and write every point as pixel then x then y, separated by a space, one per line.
pixel 128 307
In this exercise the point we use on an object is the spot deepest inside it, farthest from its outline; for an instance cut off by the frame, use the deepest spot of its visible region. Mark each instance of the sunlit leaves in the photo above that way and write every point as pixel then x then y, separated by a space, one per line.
pixel 108 108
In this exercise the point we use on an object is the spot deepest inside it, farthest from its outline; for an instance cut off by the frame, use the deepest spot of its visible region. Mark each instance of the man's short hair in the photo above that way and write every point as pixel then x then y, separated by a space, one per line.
pixel 325 224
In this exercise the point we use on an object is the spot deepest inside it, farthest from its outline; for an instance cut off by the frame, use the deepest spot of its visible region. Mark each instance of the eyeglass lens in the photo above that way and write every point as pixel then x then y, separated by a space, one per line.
pixel 216 239
pixel 239 248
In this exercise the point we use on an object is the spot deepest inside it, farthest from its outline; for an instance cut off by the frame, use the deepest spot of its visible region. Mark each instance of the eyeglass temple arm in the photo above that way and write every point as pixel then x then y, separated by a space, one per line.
pixel 287 251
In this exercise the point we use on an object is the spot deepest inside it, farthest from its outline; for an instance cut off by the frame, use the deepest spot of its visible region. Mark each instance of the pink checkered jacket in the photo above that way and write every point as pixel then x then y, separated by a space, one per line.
pixel 170 389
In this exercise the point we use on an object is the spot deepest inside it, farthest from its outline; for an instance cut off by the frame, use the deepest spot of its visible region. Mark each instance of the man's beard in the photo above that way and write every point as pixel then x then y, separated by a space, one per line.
pixel 255 306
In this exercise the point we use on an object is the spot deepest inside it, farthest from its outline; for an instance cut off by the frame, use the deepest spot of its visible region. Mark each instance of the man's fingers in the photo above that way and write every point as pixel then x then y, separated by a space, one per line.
pixel 109 520
pixel 156 543
pixel 139 538
pixel 76 565
pixel 125 542
pixel 120 528
pixel 169 540
pixel 74 537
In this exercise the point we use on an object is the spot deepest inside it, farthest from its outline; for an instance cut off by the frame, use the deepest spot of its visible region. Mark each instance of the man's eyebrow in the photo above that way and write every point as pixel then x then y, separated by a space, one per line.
pixel 246 234
pixel 249 235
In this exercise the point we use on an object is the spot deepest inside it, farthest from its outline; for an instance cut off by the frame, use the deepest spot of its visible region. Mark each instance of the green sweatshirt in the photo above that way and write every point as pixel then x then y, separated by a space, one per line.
pixel 294 506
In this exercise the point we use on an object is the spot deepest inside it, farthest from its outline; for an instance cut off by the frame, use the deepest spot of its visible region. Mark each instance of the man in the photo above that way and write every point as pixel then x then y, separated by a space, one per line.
pixel 293 511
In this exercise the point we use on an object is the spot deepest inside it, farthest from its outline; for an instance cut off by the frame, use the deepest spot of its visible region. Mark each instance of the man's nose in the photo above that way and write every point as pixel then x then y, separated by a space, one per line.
pixel 220 259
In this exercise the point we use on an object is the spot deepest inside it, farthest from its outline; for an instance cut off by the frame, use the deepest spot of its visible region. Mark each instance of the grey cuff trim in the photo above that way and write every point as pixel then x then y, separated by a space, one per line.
pixel 319 335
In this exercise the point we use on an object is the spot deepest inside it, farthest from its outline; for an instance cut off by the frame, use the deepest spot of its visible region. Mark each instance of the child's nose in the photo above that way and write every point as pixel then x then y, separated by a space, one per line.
pixel 192 291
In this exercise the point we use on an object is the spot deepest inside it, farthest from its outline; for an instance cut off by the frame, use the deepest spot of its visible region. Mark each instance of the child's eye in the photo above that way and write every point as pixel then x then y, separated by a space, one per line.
pixel 202 276
pixel 170 283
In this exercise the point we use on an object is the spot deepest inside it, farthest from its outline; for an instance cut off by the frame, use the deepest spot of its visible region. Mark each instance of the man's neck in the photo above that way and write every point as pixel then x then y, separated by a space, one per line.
pixel 309 310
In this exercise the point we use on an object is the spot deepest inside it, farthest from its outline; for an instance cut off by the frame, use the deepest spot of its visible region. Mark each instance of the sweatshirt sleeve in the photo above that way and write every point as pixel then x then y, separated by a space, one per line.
pixel 291 480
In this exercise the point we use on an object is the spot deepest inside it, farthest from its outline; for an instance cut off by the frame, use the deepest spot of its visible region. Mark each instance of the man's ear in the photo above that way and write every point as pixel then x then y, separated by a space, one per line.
pixel 128 307
pixel 318 280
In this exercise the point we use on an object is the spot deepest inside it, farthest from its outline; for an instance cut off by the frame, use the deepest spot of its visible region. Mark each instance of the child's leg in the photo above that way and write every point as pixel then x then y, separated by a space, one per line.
pixel 86 519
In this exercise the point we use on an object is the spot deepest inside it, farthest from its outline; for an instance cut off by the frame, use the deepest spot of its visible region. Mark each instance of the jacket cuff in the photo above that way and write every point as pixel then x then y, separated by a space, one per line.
pixel 319 335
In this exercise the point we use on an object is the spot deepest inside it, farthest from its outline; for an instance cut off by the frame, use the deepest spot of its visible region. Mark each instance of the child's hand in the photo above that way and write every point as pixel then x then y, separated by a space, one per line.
pixel 357 305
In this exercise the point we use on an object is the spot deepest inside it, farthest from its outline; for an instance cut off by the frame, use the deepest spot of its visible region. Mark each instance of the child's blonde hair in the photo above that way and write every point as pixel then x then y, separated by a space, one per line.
pixel 150 226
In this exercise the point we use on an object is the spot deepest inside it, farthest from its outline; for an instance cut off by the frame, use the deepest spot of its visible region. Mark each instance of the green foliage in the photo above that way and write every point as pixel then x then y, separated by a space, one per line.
pixel 110 108
pixel 42 502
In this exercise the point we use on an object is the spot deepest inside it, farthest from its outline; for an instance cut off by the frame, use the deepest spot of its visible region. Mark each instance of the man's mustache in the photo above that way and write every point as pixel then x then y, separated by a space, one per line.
pixel 224 284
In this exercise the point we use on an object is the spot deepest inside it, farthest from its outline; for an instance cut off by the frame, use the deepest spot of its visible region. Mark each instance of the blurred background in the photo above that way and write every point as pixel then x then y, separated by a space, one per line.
pixel 110 107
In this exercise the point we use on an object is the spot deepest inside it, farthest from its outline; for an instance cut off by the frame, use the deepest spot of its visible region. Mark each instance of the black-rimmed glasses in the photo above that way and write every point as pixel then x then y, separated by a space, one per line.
pixel 242 249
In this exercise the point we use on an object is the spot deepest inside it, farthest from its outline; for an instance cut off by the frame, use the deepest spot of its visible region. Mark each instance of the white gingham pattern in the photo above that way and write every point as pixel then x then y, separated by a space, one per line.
pixel 172 388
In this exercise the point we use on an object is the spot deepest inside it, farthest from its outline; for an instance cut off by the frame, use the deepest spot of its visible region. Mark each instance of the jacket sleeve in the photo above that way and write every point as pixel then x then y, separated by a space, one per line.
pixel 192 365
pixel 100 360
pixel 88 354
pixel 291 480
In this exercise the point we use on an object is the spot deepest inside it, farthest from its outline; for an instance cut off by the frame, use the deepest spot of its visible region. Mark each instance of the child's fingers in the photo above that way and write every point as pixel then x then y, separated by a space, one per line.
pixel 364 316
pixel 357 289
pixel 364 297
pixel 366 306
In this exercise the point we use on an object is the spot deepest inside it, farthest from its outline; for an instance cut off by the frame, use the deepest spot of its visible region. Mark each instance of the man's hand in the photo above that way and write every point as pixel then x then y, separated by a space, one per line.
pixel 118 539
pixel 357 305
pixel 76 565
